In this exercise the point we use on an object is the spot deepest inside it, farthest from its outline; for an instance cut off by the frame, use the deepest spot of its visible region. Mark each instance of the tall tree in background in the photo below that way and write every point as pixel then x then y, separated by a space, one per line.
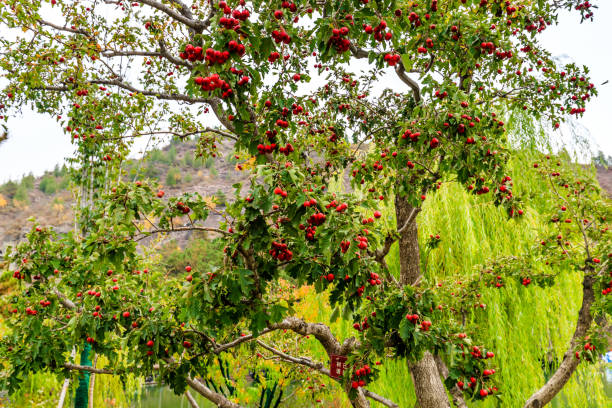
pixel 278 81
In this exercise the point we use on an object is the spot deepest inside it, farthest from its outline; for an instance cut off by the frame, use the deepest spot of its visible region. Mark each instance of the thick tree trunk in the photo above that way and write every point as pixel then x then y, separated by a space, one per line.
pixel 428 386
pixel 569 364
pixel 410 256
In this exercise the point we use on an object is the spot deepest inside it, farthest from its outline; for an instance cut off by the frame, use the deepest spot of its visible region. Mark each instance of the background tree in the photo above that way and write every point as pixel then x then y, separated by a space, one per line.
pixel 114 71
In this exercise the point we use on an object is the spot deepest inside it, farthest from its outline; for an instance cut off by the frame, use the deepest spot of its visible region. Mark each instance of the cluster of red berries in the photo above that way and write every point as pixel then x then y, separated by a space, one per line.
pixel 526 281
pixel 182 207
pixel 440 95
pixel 425 325
pixel 366 221
pixel 310 232
pixel 279 251
pixel 291 6
pixel 332 204
pixel 194 53
pixel 287 150
pixel 92 293
pixel 338 39
pixel 82 92
pixel 212 82
pixel 329 277
pixel 477 353
pixel 31 312
pixel 45 303
pixel 483 392
pixel 317 219
pixel 414 318
pixel 344 246
pixel 607 290
pixel 238 15
pixel 362 326
pixel 281 36
pixel 342 207
pixel 310 203
pixel 374 279
pixel 272 58
pixel 503 54
pixel 235 47
pixel 279 191
pixel 263 149
pixel 413 136
pixel 585 6
pixel 362 372
pixel 282 123
pixel 363 242
pixel 488 47
pixel 378 31
pixel 90 340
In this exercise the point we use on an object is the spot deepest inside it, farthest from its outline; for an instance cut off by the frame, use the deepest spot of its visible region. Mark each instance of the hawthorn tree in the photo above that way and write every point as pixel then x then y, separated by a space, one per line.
pixel 296 85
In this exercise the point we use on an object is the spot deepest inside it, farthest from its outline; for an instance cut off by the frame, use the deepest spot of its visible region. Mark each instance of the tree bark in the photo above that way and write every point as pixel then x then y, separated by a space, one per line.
pixel 92 382
pixel 360 401
pixel 569 364
pixel 428 386
pixel 409 253
pixel 455 392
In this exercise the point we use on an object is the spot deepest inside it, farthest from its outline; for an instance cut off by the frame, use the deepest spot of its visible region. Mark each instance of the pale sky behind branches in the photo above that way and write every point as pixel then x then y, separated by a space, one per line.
pixel 36 142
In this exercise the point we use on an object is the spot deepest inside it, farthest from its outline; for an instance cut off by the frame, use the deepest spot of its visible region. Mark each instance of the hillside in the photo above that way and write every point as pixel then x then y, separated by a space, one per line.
pixel 49 199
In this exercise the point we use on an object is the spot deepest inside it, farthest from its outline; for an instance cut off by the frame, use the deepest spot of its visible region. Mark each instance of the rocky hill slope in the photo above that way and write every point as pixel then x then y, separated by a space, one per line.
pixel 49 200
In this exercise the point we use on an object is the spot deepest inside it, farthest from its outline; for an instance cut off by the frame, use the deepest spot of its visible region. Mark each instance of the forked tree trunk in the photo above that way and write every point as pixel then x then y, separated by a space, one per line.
pixel 428 387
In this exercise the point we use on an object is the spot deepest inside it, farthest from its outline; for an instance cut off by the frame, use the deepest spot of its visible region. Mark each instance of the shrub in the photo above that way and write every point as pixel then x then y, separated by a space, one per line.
pixel 48 185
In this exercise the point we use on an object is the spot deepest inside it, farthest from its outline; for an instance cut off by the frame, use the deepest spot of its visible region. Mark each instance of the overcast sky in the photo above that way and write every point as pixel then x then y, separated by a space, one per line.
pixel 37 144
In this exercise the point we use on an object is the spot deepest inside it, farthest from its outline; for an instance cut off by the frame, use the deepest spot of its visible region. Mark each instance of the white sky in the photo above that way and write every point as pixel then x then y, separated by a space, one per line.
pixel 36 142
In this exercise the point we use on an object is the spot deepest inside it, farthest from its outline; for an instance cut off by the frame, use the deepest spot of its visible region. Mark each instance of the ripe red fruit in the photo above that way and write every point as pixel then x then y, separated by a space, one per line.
pixel 150 343
pixel 278 14
pixel 126 314
pixel 484 393
pixel 377 214
pixel 186 344
pixel 188 268
pixel 160 193
pixel 189 278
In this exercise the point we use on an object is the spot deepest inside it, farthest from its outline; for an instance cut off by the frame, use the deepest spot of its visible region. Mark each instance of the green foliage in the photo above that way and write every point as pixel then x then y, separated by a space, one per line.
pixel 171 155
pixel 21 195
pixel 48 185
pixel 173 176
pixel 9 189
pixel 28 181
pixel 201 254
pixel 188 160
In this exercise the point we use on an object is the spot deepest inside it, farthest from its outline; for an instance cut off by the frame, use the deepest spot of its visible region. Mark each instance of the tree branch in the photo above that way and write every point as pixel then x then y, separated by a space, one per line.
pixel 178 16
pixel 401 73
pixel 93 370
pixel 569 364
pixel 320 367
